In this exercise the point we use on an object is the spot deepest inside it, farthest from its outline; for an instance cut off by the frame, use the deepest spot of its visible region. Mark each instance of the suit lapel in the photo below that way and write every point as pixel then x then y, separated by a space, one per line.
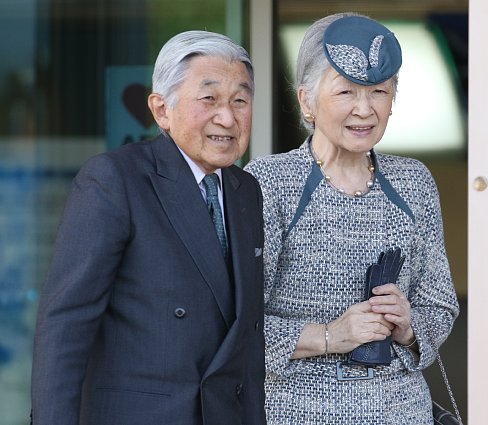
pixel 240 232
pixel 183 203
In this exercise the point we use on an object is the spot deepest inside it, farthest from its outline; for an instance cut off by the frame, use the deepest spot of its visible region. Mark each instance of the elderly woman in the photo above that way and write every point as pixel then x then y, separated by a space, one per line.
pixel 333 208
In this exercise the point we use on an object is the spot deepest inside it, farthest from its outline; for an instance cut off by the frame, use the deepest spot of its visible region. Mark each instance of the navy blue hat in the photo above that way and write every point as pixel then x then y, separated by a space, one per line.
pixel 362 50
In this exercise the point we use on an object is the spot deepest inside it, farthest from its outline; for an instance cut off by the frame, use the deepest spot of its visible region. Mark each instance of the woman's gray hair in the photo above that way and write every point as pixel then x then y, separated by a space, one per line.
pixel 172 62
pixel 312 63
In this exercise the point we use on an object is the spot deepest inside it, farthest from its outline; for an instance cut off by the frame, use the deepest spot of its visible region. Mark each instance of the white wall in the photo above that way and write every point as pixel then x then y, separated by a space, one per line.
pixel 477 216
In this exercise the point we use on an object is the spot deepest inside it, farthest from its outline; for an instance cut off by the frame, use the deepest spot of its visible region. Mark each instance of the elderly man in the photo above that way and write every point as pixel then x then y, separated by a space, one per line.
pixel 152 312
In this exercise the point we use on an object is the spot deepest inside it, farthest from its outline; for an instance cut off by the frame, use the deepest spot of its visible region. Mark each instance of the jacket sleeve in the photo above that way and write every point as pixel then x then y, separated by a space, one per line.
pixel 90 242
pixel 432 294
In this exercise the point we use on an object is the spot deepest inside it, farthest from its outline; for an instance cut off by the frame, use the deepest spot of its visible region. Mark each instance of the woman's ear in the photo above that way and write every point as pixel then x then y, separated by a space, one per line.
pixel 303 101
pixel 159 109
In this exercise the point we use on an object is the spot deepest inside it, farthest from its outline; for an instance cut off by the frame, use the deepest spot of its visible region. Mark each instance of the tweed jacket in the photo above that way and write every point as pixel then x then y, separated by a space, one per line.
pixel 315 271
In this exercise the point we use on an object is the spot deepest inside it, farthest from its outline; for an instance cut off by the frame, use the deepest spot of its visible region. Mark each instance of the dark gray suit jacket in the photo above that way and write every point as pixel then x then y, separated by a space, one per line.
pixel 140 322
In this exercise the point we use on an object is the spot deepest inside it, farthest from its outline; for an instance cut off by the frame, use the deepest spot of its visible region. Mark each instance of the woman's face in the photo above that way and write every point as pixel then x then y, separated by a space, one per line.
pixel 350 116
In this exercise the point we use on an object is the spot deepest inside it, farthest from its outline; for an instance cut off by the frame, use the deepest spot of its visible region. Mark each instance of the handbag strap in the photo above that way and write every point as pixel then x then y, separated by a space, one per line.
pixel 449 390
pixel 444 376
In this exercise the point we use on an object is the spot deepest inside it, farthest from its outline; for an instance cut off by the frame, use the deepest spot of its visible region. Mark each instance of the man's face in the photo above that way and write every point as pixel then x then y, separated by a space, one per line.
pixel 211 120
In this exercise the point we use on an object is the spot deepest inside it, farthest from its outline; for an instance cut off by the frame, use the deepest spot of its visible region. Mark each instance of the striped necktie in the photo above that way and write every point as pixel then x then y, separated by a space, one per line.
pixel 211 182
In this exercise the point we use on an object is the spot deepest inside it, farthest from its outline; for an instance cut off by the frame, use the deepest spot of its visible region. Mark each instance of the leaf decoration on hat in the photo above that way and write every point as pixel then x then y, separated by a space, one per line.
pixel 374 50
pixel 384 58
pixel 354 63
pixel 350 59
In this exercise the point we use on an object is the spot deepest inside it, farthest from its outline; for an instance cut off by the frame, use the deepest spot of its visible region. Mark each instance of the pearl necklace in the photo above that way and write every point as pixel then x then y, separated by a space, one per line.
pixel 328 179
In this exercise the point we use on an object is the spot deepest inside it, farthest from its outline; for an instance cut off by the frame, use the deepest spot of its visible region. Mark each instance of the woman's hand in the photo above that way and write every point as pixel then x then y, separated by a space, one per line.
pixel 358 325
pixel 390 302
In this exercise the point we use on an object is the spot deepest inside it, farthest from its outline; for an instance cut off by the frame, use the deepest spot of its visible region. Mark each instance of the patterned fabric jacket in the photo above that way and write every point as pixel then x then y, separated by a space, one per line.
pixel 317 270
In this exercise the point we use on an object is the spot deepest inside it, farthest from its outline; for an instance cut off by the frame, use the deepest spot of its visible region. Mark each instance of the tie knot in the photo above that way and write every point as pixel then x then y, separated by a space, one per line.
pixel 211 182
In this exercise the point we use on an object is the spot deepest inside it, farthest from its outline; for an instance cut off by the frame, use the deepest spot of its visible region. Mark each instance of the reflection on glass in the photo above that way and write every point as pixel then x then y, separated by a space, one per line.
pixel 55 54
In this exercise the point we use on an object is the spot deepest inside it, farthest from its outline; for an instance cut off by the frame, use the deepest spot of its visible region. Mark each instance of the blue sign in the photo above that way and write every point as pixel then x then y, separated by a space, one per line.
pixel 128 116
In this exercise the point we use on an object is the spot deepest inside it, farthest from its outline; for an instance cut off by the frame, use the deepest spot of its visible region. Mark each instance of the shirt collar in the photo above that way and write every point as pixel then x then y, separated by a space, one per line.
pixel 197 171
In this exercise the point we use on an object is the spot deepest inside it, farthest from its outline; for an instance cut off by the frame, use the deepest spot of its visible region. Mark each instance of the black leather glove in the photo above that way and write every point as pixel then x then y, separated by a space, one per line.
pixel 386 270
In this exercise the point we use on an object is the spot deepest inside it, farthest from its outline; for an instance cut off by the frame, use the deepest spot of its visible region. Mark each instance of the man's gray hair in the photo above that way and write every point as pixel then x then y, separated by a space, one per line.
pixel 312 63
pixel 172 62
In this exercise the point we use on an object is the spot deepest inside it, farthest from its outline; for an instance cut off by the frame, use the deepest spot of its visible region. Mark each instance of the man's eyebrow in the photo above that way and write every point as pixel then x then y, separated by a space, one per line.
pixel 244 85
pixel 206 83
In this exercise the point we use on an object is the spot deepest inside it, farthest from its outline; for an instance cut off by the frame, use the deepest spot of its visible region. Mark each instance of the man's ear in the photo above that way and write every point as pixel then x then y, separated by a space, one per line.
pixel 159 110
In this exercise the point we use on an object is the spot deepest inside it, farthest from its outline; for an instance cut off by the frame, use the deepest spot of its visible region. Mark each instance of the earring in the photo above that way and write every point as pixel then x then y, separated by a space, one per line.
pixel 309 117
pixel 391 113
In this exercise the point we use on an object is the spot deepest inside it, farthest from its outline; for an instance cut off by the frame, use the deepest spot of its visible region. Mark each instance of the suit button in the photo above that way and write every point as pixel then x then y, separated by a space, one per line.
pixel 238 389
pixel 180 312
pixel 256 326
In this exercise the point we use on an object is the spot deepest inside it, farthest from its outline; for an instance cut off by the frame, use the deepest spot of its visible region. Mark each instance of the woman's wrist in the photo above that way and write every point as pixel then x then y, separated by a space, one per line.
pixel 411 340
pixel 312 341
pixel 411 344
pixel 326 336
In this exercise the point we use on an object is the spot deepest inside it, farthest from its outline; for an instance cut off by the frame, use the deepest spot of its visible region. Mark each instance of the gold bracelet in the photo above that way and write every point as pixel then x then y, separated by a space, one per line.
pixel 409 345
pixel 326 339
